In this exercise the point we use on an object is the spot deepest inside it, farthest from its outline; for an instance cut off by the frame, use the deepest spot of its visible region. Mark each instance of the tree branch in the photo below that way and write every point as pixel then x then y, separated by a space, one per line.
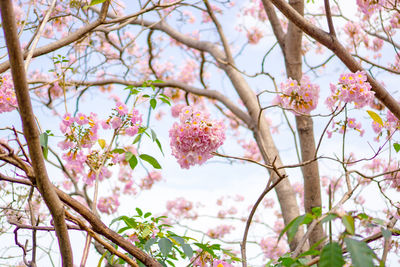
pixel 31 132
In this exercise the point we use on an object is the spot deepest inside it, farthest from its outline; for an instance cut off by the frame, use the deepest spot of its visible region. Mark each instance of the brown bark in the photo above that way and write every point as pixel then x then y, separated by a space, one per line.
pixel 31 132
pixel 291 44
pixel 304 124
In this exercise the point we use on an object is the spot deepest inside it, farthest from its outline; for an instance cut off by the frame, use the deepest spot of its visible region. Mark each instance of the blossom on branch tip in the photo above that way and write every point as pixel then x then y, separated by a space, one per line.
pixel 195 137
pixel 301 99
pixel 352 87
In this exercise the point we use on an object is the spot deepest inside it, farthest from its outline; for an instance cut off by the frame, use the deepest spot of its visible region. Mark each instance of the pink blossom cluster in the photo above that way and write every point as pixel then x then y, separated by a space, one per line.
pixel 352 87
pixel 80 131
pixel 254 35
pixel 255 9
pixel 205 262
pixel 395 20
pixel 128 122
pixel 181 208
pixel 368 7
pixel 195 137
pixel 108 205
pixel 8 101
pixel 148 181
pixel 220 231
pixel 301 98
pixel 271 249
pixel 251 150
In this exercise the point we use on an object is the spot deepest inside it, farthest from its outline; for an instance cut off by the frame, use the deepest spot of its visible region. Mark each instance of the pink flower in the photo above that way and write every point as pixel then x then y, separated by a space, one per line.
pixel 301 98
pixel 195 137
pixel 254 35
pixel 108 205
pixel 181 208
pixel 67 119
pixel 220 231
pixel 8 101
pixel 352 87
pixel 121 108
pixel 271 249
pixel 150 179
pixel 176 109
pixel 116 122
pixel 81 119
pixel 221 263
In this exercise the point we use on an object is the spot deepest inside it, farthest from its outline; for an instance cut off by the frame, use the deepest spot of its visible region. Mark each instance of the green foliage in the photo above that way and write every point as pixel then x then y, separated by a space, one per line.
pixel 294 225
pixel 150 160
pixel 396 147
pixel 331 256
pixel 152 235
pixel 96 2
pixel 44 140
pixel 361 254
pixel 348 222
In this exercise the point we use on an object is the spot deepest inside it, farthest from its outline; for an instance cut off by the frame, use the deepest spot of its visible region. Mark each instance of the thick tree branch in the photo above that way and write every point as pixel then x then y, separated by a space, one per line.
pixel 335 46
pixel 221 34
pixel 275 23
pixel 31 132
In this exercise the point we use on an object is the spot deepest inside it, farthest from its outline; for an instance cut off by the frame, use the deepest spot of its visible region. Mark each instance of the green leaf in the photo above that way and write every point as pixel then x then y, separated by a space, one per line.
pixel 44 139
pixel 386 233
pixel 317 211
pixel 101 259
pixel 137 138
pixel 375 117
pixel 187 249
pixel 128 155
pixel 159 146
pixel 96 2
pixel 130 222
pixel 165 246
pixel 396 147
pixel 153 103
pixel 178 239
pixel 153 135
pixel 133 162
pixel 293 226
pixel 139 212
pixel 166 101
pixel 149 243
pixel 329 217
pixel 150 160
pixel 118 150
pixel 331 256
pixel 146 232
pixel 361 254
pixel 206 248
pixel 147 214
pixel 348 222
